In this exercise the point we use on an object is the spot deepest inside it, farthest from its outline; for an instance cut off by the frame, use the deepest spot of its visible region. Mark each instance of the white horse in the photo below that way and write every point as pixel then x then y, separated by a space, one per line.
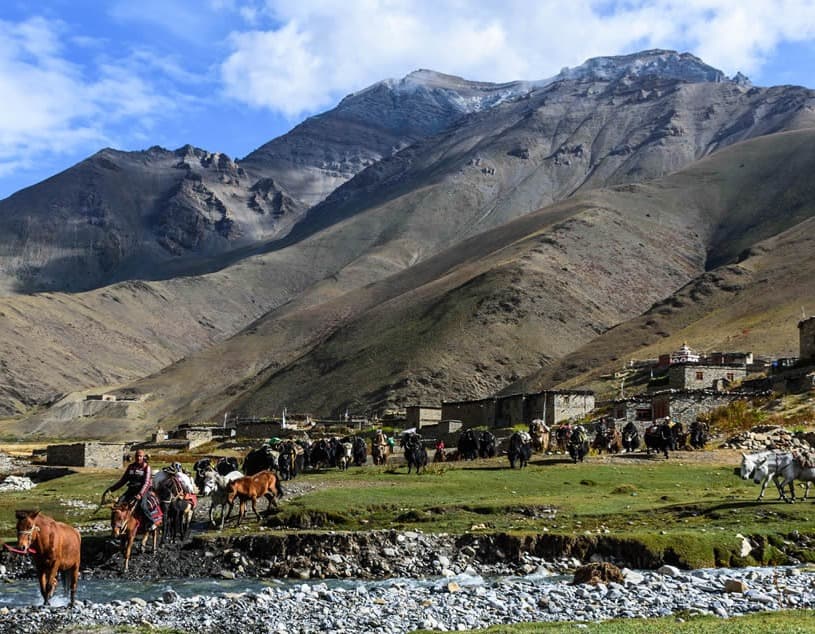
pixel 217 486
pixel 784 468
pixel 749 465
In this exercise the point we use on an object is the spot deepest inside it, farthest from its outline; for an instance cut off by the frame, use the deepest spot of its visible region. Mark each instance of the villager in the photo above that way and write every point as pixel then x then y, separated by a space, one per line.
pixel 138 477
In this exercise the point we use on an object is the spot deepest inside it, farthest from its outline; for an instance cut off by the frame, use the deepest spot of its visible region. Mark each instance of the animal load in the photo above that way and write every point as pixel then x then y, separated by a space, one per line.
pixel 520 449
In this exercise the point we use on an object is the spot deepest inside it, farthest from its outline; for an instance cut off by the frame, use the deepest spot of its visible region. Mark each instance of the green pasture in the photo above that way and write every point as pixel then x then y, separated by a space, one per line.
pixel 693 512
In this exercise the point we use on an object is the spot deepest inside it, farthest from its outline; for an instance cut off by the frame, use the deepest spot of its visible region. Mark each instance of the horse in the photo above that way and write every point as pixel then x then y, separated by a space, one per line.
pixel 783 468
pixel 659 437
pixel 171 484
pixel 578 445
pixel 749 466
pixel 539 433
pixel 415 453
pixel 217 487
pixel 631 437
pixel 263 484
pixel 54 547
pixel 126 523
pixel 486 445
pixel 468 445
pixel 177 520
pixel 520 449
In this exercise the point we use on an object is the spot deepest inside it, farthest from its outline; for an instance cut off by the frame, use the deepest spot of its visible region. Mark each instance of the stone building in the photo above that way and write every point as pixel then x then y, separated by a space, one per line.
pixel 102 455
pixel 419 416
pixel 684 406
pixel 553 406
pixel 695 376
pixel 473 413
pixel 806 338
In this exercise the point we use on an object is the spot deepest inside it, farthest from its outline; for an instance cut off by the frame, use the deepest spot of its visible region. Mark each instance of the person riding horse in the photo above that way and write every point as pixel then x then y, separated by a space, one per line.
pixel 138 477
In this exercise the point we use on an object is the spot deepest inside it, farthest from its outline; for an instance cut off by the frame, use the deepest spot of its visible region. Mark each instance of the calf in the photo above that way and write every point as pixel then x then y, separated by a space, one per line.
pixel 263 484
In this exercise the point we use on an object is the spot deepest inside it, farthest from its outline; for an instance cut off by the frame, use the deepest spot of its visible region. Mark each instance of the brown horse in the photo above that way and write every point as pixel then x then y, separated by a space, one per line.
pixel 126 523
pixel 54 547
pixel 263 484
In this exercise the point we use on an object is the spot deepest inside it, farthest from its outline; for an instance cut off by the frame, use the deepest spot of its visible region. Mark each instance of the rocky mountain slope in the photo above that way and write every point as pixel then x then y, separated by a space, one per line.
pixel 432 248
pixel 554 293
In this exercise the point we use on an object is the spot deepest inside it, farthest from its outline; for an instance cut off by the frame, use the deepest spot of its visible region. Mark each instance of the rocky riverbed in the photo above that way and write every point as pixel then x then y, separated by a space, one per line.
pixel 447 604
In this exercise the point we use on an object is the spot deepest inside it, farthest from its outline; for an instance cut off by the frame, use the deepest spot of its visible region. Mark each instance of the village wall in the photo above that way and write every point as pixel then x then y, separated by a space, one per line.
pixel 257 429
pixel 90 454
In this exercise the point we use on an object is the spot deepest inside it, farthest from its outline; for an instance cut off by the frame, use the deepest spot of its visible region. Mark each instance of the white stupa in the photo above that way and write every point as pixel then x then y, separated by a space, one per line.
pixel 684 355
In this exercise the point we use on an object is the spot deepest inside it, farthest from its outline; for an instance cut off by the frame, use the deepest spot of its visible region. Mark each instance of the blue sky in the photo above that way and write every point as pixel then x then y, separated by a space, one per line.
pixel 229 75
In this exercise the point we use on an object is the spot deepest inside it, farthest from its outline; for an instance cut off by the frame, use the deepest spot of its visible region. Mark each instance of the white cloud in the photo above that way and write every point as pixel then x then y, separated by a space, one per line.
pixel 54 106
pixel 314 52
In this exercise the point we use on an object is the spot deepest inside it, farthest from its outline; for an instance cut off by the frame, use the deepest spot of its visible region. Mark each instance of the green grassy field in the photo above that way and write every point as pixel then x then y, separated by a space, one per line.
pixel 691 512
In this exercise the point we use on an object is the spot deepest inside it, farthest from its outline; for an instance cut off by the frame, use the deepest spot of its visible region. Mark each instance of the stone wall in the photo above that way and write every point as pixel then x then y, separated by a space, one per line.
pixel 196 437
pixel 470 413
pixel 257 429
pixel 89 454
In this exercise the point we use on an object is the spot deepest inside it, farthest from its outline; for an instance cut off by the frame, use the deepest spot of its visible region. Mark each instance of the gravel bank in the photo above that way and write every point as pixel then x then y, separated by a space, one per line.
pixel 453 603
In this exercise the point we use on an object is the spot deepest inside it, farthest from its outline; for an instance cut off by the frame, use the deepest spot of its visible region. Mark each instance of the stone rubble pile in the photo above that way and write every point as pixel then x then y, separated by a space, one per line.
pixel 16 483
pixel 765 437
pixel 466 602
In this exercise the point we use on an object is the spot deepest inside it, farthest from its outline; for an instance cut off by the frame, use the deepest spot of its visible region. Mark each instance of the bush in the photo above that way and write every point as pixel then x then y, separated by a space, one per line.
pixel 733 417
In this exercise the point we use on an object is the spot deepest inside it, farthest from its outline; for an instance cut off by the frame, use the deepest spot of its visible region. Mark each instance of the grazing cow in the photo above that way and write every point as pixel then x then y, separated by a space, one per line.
pixel 540 435
pixel 486 445
pixel 54 547
pixel 217 486
pixel 415 453
pixel 699 434
pixel 578 445
pixel 468 445
pixel 659 438
pixel 263 484
pixel 126 522
pixel 520 449
pixel 631 437
pixel 264 458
